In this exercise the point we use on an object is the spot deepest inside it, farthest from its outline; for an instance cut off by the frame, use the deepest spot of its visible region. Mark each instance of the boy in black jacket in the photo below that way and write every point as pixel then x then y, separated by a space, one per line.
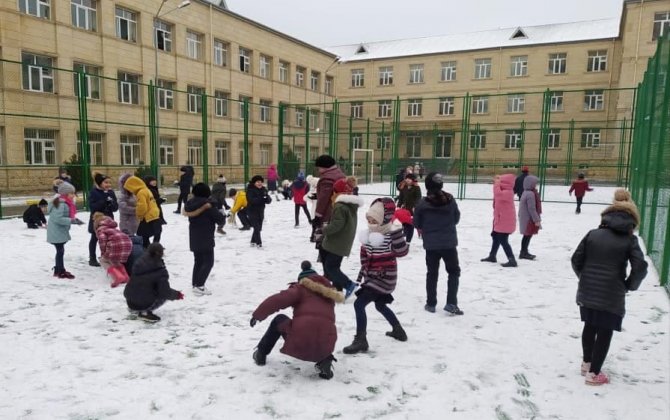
pixel 257 198
pixel 33 217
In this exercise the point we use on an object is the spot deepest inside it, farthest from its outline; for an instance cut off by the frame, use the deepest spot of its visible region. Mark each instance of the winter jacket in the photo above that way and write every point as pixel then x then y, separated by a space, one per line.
pixel 103 202
pixel 58 229
pixel 148 283
pixel 115 246
pixel 324 192
pixel 219 193
pixel 272 174
pixel 311 334
pixel 135 252
pixel 157 196
pixel 146 209
pixel 339 233
pixel 240 202
pixel 529 206
pixel 601 259
pixel 409 197
pixel 504 212
pixel 436 216
pixel 257 198
pixel 201 228
pixel 127 219
pixel 299 188
pixel 580 187
pixel 379 253
pixel 186 179
pixel 34 215
pixel 518 184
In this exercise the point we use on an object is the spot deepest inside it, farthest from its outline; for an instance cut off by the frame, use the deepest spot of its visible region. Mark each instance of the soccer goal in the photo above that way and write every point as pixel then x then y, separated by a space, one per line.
pixel 365 154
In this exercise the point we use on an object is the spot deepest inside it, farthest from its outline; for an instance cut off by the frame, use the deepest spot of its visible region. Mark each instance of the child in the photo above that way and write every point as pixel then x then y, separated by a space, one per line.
pixel 530 209
pixel 311 334
pixel 600 263
pixel 101 199
pixel 504 219
pixel 202 219
pixel 219 193
pixel 147 211
pixel 127 205
pixel 239 208
pixel 33 217
pixel 257 197
pixel 62 212
pixel 580 186
pixel 299 189
pixel 408 198
pixel 115 247
pixel 185 183
pixel 152 183
pixel 286 189
pixel 273 176
pixel 148 288
pixel 382 244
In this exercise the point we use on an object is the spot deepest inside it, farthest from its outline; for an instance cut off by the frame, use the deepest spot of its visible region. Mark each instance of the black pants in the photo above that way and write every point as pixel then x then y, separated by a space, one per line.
pixel 183 197
pixel 498 240
pixel 332 271
pixel 595 345
pixel 243 215
pixel 202 266
pixel 92 244
pixel 297 213
pixel 363 300
pixel 408 229
pixel 257 226
pixel 157 304
pixel 147 230
pixel 272 334
pixel 60 253
pixel 525 241
pixel 579 204
pixel 450 258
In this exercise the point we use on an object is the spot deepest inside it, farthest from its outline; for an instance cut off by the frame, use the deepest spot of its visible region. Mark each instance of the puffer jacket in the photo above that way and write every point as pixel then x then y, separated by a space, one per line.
pixel 127 204
pixel 58 229
pixel 257 198
pixel 528 204
pixel 436 216
pixel 340 232
pixel 324 192
pixel 101 201
pixel 201 227
pixel 146 209
pixel 148 283
pixel 379 253
pixel 504 212
pixel 240 202
pixel 115 246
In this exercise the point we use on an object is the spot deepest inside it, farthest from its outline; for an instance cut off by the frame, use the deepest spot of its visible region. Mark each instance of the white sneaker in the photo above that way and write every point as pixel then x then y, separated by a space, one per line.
pixel 201 291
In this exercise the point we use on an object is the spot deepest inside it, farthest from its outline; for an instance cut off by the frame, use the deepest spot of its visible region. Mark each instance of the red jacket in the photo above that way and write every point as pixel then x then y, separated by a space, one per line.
pixel 311 334
pixel 403 216
pixel 115 246
pixel 299 188
pixel 580 187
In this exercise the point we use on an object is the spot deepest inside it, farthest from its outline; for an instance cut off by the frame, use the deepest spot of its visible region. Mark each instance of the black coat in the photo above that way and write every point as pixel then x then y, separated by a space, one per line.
pixel 257 198
pixel 219 194
pixel 186 179
pixel 518 184
pixel 157 197
pixel 201 228
pixel 436 216
pixel 34 215
pixel 148 283
pixel 601 259
pixel 103 202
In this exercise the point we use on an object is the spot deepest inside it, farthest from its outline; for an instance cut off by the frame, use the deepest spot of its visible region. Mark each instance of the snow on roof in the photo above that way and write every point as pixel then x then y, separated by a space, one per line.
pixel 507 37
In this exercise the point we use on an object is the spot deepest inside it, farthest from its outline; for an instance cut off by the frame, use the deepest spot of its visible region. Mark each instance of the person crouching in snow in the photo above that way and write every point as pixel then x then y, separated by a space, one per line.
pixel 311 334
pixel 382 244
pixel 115 247
pixel 33 217
pixel 148 288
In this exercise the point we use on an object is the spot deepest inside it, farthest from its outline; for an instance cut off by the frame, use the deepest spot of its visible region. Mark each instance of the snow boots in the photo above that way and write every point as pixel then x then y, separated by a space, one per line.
pixel 360 344
pixel 325 367
pixel 118 274
pixel 398 333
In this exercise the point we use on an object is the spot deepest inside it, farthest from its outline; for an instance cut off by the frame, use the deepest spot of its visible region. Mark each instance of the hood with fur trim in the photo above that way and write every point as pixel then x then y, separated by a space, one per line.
pixel 348 199
pixel 313 284
pixel 622 216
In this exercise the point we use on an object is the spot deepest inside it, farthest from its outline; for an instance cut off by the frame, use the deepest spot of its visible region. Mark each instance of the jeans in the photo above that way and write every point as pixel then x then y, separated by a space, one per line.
pixel 595 345
pixel 92 244
pixel 450 257
pixel 365 298
pixel 408 229
pixel 60 252
pixel 272 334
pixel 202 266
pixel 498 240
pixel 297 213
pixel 331 269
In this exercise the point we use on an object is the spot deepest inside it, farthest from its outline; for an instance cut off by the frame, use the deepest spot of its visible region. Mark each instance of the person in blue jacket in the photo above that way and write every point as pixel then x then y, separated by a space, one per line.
pixel 101 199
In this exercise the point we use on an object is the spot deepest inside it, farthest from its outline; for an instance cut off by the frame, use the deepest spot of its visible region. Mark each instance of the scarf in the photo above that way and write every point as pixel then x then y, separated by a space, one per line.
pixel 71 206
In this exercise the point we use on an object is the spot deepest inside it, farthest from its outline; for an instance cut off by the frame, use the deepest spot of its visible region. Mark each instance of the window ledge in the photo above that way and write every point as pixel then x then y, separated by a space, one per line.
pixel 447 81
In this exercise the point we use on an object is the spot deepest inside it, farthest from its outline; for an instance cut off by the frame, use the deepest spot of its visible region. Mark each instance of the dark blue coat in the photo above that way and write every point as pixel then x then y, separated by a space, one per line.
pixel 257 198
pixel 201 228
pixel 436 216
pixel 103 202
pixel 186 179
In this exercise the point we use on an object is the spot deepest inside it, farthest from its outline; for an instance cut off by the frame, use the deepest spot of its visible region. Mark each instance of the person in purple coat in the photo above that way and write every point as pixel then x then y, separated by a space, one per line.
pixel 530 209
pixel 504 218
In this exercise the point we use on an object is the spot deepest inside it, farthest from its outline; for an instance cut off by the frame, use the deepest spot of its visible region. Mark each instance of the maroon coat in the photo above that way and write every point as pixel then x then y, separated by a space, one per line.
pixel 580 187
pixel 311 334
pixel 324 192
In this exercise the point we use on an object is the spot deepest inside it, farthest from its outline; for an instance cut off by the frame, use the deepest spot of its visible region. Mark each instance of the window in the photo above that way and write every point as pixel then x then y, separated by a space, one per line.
pixel 194 150
pixel 386 76
pixel 661 24
pixel 557 63
pixel 94 147
pixel 283 72
pixel 299 117
pixel 556 101
pixel 37 8
pixel 597 61
pixel 242 99
pixel 414 146
pixel 414 107
pixel 483 68
pixel 165 91
pixel 480 104
pixel 512 139
pixel 299 76
pixel 245 60
pixel 448 71
pixel 194 99
pixel 284 113
pixel 446 106
pixel 590 138
pixel 554 138
pixel 383 141
pixel 313 119
pixel 265 67
pixel 221 103
pixel 220 53
pixel 385 108
pixel 84 14
pixel 478 140
pixel 193 45
pixel 265 111
pixel 518 66
pixel 166 151
pixel 126 24
pixel 163 35
pixel 516 103
pixel 131 148
pixel 314 81
pixel 92 81
pixel 416 73
pixel 222 152
pixel 329 85
pixel 443 144
pixel 356 141
pixel 594 100
pixel 129 89
pixel 266 153
pixel 357 78
pixel 40 146
pixel 37 72
pixel 357 110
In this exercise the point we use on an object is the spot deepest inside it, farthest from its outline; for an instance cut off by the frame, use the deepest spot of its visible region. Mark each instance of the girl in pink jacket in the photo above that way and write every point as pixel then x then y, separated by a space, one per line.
pixel 504 218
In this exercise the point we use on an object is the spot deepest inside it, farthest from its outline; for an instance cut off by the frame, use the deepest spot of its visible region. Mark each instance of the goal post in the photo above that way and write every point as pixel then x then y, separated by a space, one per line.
pixel 367 154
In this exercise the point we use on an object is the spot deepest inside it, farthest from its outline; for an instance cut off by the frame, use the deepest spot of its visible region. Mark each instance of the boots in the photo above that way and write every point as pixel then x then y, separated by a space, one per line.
pixel 325 367
pixel 510 263
pixel 525 255
pixel 490 258
pixel 259 358
pixel 119 275
pixel 398 333
pixel 360 344
pixel 93 262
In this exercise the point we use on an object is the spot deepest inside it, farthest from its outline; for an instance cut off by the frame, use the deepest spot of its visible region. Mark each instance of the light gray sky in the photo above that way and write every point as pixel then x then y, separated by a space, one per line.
pixel 337 22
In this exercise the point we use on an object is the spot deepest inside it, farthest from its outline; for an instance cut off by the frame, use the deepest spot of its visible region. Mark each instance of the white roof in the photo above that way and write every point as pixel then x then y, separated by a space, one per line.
pixel 526 35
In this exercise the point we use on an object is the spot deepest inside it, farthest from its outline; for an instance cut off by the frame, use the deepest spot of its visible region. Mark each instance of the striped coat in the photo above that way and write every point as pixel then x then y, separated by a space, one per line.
pixel 379 253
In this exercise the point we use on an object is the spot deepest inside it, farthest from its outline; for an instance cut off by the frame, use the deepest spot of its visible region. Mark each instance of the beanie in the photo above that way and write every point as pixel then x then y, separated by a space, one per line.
pixel 434 181
pixel 341 186
pixel 201 190
pixel 376 212
pixel 305 265
pixel 232 192
pixel 622 195
pixel 305 269
pixel 524 169
pixel 256 178
pixel 98 178
pixel 65 188
pixel 324 161
pixel 580 175
pixel 43 203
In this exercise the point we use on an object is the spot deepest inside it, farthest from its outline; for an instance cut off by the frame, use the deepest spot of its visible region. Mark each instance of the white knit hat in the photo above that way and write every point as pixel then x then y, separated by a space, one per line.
pixel 376 212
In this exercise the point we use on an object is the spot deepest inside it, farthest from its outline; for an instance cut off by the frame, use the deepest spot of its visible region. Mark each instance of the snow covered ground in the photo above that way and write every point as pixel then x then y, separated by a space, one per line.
pixel 68 349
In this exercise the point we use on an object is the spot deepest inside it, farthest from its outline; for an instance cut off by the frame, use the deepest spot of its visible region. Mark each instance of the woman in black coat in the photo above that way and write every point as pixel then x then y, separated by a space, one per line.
pixel 600 263
pixel 185 184
pixel 257 198
pixel 101 199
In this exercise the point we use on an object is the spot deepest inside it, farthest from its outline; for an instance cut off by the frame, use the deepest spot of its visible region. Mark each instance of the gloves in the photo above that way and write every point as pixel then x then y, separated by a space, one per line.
pixel 252 322
pixel 316 221
pixel 180 296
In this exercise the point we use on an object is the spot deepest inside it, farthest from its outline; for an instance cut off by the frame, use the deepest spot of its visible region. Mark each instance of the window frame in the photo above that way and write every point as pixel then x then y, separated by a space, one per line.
pixel 220 53
pixel 165 94
pixel 448 71
pixel 414 144
pixel 244 55
pixel 284 71
pixel 92 79
pixel 314 79
pixel 42 8
pixel 194 151
pixel 131 19
pixel 661 25
pixel 441 141
pixel 518 66
pixel 132 87
pixel 357 78
pixel 557 63
pixel 43 72
pixel 477 140
pixel 194 44
pixel 221 99
pixel 516 103
pixel 356 110
pixel 222 152
pixel 79 10
pixel 597 61
pixel 483 68
pixel 386 76
pixel 166 29
pixel 47 146
pixel 300 76
pixel 265 66
pixel 513 139
pixel 446 106
pixel 554 138
pixel 590 138
pixel 480 105
pixel 265 111
pixel 166 150
pixel 594 100
pixel 384 108
pixel 127 144
pixel 415 107
pixel 556 101
pixel 416 73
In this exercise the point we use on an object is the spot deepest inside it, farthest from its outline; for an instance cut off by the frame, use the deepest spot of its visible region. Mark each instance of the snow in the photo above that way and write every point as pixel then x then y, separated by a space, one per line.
pixel 70 351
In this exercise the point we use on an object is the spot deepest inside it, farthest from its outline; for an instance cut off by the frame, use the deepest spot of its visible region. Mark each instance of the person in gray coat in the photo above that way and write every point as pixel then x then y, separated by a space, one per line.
pixel 530 209
pixel 128 222
pixel 600 263
pixel 58 228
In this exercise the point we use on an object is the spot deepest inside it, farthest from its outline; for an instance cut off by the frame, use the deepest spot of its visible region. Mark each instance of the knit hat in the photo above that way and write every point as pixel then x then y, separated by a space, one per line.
pixel 201 190
pixel 434 181
pixel 305 269
pixel 65 188
pixel 580 175
pixel 43 203
pixel 301 176
pixel 256 178
pixel 524 169
pixel 232 192
pixel 381 210
pixel 622 195
pixel 98 178
pixel 324 161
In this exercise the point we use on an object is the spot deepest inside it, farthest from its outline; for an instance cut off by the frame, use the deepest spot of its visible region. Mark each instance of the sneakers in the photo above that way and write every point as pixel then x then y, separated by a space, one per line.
pixel 201 291
pixel 585 368
pixel 148 316
pixel 177 212
pixel 93 262
pixel 453 309
pixel 596 380
pixel 259 358
pixel 350 290
pixel 429 308
pixel 325 367
pixel 489 259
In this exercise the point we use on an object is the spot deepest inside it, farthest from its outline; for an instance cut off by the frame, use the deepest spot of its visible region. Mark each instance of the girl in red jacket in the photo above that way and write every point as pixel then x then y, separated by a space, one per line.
pixel 580 186
pixel 300 188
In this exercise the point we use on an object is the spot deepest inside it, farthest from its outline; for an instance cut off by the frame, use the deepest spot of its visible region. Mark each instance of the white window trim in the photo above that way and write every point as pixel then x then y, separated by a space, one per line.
pixel 165 29
pixel 90 15
pixel 130 18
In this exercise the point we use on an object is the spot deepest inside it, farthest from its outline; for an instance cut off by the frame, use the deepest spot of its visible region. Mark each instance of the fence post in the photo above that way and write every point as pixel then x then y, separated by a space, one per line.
pixel 280 139
pixel 465 129
pixel 245 108
pixel 83 134
pixel 205 142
